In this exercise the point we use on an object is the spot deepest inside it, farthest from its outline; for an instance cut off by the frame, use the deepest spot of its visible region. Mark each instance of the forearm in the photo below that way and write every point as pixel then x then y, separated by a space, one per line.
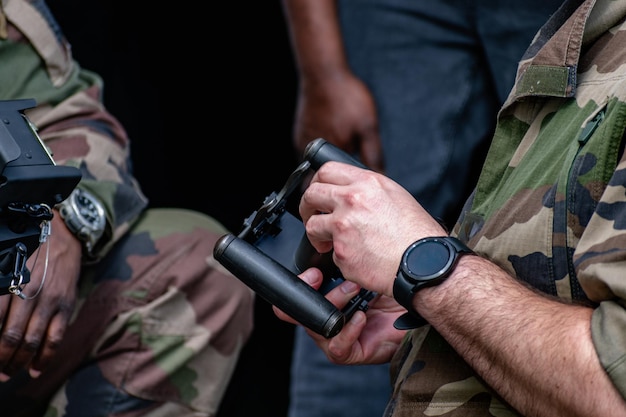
pixel 515 338
pixel 315 37
pixel 80 132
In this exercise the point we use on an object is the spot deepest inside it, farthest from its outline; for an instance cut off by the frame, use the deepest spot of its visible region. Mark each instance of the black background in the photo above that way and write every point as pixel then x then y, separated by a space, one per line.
pixel 207 97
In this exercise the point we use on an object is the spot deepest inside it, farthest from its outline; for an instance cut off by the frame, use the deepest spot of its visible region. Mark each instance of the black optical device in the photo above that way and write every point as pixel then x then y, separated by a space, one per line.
pixel 273 248
pixel 30 185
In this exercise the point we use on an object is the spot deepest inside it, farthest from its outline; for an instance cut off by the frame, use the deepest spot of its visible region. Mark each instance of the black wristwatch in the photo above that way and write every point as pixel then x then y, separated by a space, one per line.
pixel 425 263
pixel 84 216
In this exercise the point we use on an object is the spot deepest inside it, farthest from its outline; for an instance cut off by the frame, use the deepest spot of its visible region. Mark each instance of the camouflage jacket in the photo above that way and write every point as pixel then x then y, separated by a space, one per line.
pixel 69 115
pixel 549 206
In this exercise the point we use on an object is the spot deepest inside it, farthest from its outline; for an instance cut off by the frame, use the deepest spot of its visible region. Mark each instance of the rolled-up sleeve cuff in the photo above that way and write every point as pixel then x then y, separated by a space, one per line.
pixel 608 331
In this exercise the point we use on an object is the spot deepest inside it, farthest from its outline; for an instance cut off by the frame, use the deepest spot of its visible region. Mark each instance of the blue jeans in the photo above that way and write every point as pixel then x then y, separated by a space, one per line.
pixel 439 71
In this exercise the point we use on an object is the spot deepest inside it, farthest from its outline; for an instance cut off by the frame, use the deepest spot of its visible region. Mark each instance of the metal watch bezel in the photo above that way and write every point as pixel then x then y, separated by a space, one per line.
pixel 84 216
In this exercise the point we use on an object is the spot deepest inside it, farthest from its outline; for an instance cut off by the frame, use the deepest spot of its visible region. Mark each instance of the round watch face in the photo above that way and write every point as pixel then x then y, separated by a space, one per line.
pixel 427 259
pixel 88 210
pixel 84 216
pixel 426 262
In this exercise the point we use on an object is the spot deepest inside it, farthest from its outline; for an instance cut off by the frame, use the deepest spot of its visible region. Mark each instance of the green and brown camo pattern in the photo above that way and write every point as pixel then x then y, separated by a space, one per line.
pixel 159 324
pixel 549 207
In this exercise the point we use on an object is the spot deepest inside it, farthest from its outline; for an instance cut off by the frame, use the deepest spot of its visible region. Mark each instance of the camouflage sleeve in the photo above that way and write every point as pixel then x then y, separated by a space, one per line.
pixel 600 255
pixel 70 115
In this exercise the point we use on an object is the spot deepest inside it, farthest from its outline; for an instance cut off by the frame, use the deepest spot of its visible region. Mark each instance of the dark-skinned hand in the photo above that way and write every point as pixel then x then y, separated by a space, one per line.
pixel 32 329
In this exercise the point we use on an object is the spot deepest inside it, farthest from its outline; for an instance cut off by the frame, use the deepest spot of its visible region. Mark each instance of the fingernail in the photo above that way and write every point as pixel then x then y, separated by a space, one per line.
pixel 4 377
pixel 34 373
pixel 349 286
pixel 308 276
pixel 357 318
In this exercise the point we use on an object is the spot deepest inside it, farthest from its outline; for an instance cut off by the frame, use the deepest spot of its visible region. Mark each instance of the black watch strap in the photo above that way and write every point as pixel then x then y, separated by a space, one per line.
pixel 426 262
pixel 409 320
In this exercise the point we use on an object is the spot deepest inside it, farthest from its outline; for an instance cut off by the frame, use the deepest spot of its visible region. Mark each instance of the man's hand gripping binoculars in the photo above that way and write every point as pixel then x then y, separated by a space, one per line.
pixel 272 249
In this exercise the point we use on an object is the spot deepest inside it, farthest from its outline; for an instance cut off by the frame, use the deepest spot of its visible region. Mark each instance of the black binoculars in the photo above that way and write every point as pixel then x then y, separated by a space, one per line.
pixel 273 248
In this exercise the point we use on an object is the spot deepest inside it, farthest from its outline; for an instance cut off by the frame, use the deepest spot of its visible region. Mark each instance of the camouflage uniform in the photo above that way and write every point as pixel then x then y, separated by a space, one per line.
pixel 159 325
pixel 549 206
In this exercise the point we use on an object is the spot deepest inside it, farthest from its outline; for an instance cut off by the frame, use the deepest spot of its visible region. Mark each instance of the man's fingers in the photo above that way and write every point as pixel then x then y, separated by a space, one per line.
pixel 51 343
pixel 341 347
pixel 338 296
